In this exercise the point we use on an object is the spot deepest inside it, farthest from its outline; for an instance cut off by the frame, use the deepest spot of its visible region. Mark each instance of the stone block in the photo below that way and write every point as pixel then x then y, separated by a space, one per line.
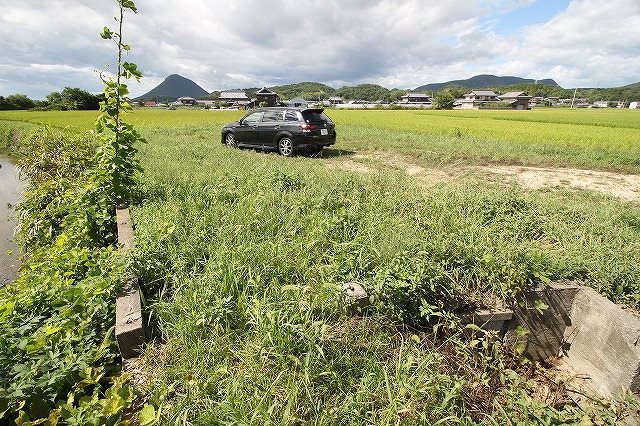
pixel 489 319
pixel 125 228
pixel 355 297
pixel 129 325
pixel 546 327
pixel 604 343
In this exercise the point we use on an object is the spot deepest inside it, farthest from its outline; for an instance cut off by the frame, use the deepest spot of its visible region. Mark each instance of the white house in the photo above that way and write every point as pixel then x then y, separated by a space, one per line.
pixel 634 105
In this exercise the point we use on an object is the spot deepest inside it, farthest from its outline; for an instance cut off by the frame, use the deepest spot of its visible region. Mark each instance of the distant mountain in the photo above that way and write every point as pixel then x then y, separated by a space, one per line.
pixel 485 80
pixel 631 86
pixel 172 88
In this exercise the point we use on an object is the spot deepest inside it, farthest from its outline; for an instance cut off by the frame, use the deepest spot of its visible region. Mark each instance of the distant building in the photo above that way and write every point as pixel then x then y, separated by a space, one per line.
pixel 298 102
pixel 334 100
pixel 477 99
pixel 634 105
pixel 150 103
pixel 185 100
pixel 516 100
pixel 415 98
pixel 267 96
pixel 234 98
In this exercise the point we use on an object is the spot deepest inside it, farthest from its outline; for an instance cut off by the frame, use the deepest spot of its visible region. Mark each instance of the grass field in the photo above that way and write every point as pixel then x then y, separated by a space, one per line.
pixel 242 255
pixel 607 139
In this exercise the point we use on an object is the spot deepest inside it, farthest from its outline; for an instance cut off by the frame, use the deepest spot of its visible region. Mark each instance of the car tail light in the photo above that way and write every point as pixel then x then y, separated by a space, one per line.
pixel 306 127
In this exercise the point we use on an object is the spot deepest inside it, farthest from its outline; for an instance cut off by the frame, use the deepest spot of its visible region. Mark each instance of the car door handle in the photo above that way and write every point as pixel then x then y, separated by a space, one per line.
pixel 276 127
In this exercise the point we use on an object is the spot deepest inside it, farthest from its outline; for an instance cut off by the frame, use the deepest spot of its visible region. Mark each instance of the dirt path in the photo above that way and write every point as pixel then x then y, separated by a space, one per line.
pixel 619 185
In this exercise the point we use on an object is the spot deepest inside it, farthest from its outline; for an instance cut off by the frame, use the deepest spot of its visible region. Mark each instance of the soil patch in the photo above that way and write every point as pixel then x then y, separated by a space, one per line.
pixel 619 185
pixel 626 187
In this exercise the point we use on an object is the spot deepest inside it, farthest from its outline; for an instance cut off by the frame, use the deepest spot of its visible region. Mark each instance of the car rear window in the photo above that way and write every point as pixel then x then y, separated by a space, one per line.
pixel 315 116
pixel 291 116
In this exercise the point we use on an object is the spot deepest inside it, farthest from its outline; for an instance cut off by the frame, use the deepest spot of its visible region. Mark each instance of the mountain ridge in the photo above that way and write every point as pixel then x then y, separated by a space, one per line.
pixel 486 80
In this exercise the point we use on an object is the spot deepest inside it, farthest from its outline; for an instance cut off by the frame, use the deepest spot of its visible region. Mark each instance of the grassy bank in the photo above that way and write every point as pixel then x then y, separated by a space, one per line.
pixel 59 363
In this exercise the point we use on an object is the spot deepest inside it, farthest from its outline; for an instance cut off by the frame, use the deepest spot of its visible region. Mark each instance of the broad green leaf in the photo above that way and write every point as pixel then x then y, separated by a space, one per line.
pixel 147 415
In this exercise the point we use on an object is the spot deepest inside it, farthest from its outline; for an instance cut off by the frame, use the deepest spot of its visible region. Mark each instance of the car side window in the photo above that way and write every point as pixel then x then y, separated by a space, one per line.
pixel 272 116
pixel 253 118
pixel 291 116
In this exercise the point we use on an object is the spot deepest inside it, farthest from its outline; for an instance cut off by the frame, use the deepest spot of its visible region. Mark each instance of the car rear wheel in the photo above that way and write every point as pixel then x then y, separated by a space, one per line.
pixel 230 140
pixel 285 147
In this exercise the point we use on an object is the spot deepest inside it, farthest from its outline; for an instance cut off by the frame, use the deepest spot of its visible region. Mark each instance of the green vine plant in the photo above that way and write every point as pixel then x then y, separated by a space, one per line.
pixel 116 162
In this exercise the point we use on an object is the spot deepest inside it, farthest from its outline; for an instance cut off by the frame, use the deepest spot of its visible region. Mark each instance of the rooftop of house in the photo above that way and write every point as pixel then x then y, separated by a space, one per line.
pixel 265 91
pixel 482 93
pixel 233 95
pixel 415 95
pixel 515 95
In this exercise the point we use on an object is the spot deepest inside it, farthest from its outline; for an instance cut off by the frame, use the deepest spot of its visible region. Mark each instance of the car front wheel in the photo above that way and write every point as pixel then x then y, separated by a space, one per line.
pixel 230 140
pixel 285 147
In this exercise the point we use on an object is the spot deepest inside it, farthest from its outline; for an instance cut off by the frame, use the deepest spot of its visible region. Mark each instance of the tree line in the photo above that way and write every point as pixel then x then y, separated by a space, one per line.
pixel 314 91
pixel 68 99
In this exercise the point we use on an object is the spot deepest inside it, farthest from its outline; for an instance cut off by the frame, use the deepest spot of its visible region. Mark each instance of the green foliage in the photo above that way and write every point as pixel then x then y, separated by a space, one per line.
pixel 15 102
pixel 365 92
pixel 71 99
pixel 289 91
pixel 443 100
pixel 116 162
pixel 59 361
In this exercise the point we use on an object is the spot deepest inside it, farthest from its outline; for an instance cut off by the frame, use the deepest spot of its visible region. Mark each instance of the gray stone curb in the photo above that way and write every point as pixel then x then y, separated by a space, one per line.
pixel 129 325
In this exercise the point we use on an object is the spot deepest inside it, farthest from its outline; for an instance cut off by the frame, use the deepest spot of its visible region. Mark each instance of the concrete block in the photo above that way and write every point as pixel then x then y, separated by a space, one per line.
pixel 546 326
pixel 355 297
pixel 125 228
pixel 129 326
pixel 604 343
pixel 489 319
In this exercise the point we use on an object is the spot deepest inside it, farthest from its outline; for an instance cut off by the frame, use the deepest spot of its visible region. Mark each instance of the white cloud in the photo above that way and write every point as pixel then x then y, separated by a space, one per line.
pixel 397 43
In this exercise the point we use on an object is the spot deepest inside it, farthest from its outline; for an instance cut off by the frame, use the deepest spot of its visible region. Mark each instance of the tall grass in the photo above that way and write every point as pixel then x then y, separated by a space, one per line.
pixel 243 254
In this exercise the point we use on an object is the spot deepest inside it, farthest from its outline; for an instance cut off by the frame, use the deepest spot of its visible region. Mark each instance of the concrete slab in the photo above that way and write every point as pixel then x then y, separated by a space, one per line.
pixel 545 313
pixel 129 323
pixel 604 342
pixel 595 337
pixel 489 319
pixel 129 326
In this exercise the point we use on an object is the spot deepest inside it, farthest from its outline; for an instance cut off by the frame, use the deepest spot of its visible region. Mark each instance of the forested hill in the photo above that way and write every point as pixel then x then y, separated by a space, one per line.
pixel 485 80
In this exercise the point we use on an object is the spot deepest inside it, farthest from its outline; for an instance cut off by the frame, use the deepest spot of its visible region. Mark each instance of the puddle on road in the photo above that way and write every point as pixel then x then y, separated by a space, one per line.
pixel 10 189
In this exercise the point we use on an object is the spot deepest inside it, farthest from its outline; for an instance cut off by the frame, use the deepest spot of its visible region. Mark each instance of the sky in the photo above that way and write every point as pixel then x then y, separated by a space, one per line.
pixel 223 44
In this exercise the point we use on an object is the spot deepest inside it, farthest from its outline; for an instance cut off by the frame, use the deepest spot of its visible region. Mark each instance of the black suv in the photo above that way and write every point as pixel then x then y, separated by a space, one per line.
pixel 286 129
